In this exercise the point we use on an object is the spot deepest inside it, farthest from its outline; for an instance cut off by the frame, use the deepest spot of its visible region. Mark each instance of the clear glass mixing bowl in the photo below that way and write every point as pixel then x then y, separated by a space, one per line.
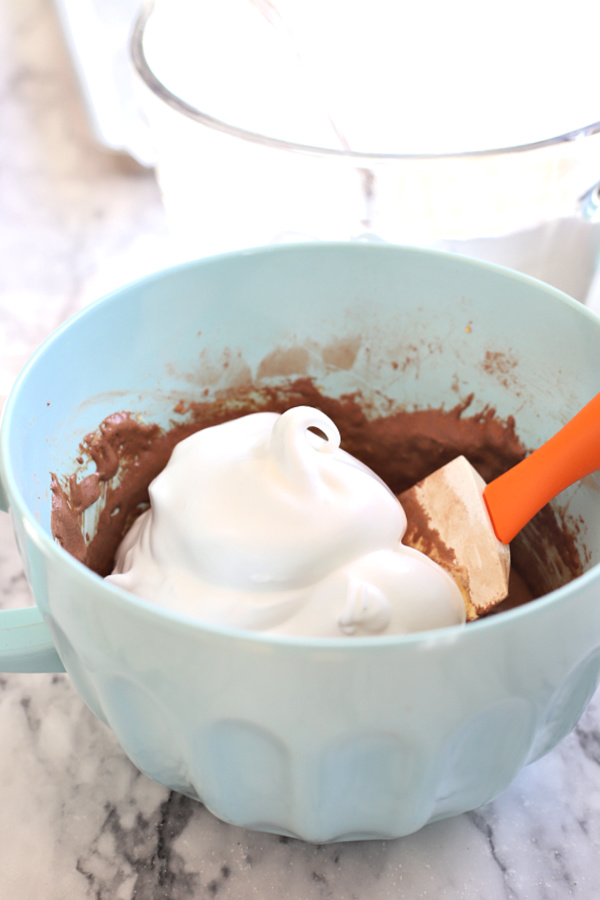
pixel 530 207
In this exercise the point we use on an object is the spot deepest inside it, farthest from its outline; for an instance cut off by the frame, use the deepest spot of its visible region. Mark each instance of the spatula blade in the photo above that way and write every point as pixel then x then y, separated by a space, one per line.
pixel 449 522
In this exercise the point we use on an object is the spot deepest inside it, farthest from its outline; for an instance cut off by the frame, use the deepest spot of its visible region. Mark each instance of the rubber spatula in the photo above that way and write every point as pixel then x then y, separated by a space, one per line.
pixel 466 525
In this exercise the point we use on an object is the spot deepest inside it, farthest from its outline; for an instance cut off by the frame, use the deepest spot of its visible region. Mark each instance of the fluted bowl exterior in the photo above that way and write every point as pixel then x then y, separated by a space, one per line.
pixel 330 743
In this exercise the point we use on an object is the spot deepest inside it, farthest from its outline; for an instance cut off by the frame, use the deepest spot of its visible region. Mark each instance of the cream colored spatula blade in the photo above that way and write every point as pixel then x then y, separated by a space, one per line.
pixel 449 522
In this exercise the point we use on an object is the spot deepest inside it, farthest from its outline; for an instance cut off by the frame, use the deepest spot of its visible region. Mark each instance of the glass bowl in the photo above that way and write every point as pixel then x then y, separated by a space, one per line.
pixel 227 186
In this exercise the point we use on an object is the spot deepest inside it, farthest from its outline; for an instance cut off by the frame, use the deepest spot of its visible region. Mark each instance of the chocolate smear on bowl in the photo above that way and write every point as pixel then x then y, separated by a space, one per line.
pixel 402 447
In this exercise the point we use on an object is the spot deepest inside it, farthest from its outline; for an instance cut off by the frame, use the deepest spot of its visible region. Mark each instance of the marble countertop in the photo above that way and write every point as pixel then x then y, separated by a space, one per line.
pixel 77 819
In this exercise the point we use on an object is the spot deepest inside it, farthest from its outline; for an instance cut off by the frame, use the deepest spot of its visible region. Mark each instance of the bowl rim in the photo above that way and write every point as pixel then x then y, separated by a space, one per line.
pixel 177 103
pixel 120 597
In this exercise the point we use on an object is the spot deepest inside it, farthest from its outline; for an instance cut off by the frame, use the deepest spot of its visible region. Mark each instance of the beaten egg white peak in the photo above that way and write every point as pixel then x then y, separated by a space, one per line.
pixel 264 523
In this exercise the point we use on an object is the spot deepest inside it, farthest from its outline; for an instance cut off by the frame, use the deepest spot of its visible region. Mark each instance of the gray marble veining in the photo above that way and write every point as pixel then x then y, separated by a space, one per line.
pixel 77 820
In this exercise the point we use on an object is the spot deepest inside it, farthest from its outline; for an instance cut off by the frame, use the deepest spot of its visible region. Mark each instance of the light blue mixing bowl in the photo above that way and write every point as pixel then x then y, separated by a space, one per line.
pixel 321 739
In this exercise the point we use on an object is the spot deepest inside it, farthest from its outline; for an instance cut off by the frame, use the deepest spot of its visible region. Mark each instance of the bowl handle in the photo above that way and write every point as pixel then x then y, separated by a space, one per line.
pixel 25 642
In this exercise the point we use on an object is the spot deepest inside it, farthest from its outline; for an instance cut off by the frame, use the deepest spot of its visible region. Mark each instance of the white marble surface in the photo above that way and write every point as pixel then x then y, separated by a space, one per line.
pixel 76 819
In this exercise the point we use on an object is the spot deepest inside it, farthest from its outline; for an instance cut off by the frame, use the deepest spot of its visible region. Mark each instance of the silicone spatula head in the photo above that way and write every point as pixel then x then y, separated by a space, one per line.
pixel 449 522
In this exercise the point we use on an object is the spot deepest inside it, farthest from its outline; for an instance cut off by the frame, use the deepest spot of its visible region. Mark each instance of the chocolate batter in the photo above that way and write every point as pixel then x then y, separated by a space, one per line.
pixel 402 447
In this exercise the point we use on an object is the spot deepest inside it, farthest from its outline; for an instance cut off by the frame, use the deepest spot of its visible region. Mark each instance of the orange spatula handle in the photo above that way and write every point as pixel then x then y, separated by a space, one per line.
pixel 574 452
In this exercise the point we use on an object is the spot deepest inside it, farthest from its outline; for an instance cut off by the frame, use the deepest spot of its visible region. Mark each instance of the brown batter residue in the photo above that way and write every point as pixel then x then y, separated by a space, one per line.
pixel 402 448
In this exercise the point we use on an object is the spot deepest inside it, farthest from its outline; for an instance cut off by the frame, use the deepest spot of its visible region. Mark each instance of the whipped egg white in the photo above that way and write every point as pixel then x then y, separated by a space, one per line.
pixel 265 523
